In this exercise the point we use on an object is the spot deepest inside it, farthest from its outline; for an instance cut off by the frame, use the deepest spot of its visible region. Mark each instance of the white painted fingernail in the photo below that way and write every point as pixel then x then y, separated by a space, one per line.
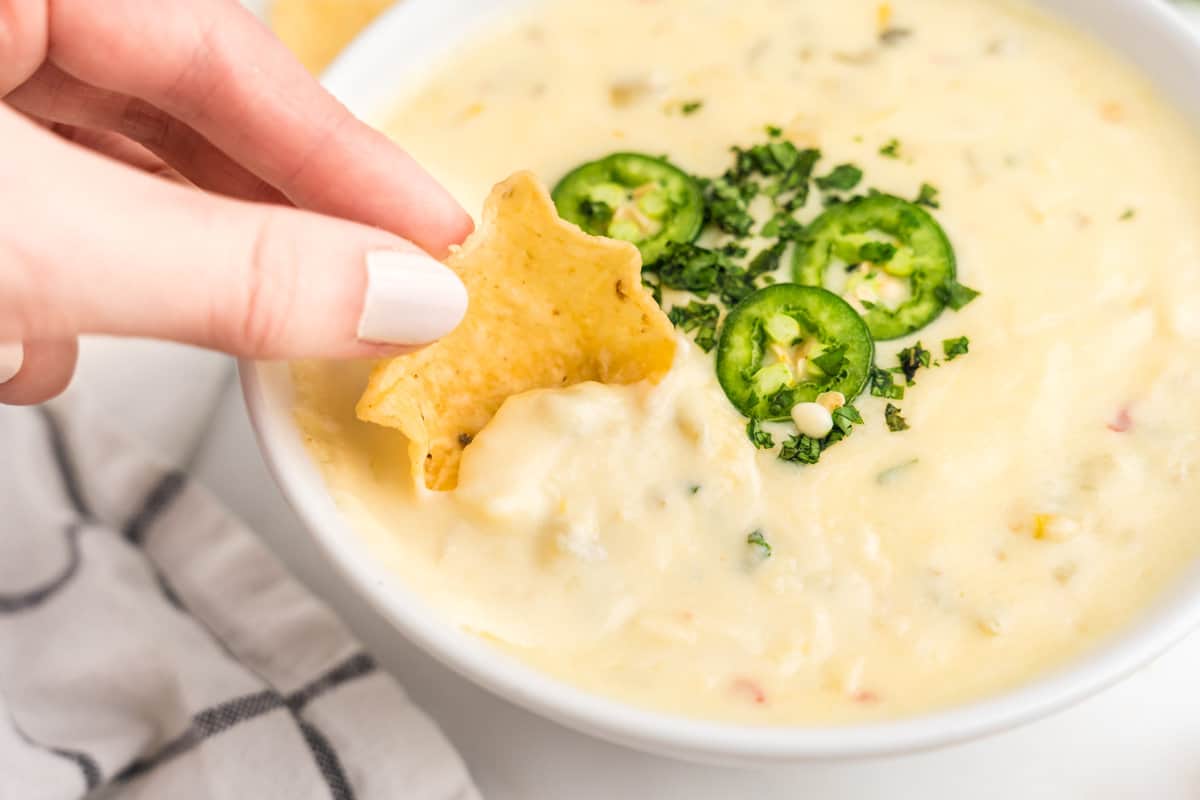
pixel 12 356
pixel 411 299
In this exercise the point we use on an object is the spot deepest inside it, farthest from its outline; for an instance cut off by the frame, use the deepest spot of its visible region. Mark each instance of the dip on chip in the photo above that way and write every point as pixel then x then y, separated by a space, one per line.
pixel 550 306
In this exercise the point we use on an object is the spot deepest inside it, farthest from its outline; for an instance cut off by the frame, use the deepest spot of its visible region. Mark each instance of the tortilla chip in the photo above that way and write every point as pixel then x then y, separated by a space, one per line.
pixel 317 30
pixel 550 307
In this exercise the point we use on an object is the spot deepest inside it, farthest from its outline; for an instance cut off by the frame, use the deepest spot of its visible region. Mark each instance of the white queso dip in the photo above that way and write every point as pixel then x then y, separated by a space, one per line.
pixel 1037 486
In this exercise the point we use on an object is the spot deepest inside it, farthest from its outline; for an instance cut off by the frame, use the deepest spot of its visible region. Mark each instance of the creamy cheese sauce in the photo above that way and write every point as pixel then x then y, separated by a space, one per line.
pixel 1049 486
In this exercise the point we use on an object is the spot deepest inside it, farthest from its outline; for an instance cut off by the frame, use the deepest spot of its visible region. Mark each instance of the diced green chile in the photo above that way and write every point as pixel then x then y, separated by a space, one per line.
pixel 923 258
pixel 641 199
pixel 791 320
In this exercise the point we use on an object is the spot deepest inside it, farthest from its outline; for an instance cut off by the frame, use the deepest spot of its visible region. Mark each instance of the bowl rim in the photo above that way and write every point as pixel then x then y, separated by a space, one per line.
pixel 267 395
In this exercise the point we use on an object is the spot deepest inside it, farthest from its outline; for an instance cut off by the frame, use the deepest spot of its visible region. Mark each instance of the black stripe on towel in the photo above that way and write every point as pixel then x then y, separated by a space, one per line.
pixel 209 722
pixel 64 463
pixel 88 766
pixel 327 761
pixel 23 601
pixel 156 502
pixel 353 667
pixel 219 718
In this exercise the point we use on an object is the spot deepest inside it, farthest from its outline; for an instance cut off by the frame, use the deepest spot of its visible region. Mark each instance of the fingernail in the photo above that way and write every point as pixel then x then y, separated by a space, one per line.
pixel 12 356
pixel 411 299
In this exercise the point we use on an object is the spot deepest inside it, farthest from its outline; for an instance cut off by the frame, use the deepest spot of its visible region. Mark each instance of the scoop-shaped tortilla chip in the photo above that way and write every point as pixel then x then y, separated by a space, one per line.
pixel 550 306
pixel 317 30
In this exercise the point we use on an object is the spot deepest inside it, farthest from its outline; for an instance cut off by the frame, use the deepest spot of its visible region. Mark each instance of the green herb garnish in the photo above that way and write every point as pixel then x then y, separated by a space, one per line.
pixel 891 149
pixel 928 196
pixel 759 437
pixel 955 294
pixel 1129 214
pixel 727 204
pixel 911 360
pixel 895 421
pixel 883 384
pixel 843 178
pixel 844 420
pixel 699 317
pixel 691 107
pixel 801 449
pixel 953 348
pixel 767 260
pixel 830 362
pixel 694 488
pixel 774 131
pixel 877 252
pixel 784 226
pixel 759 544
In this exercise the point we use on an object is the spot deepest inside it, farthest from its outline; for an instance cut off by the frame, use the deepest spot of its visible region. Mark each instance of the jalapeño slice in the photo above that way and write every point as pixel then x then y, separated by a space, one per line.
pixel 641 199
pixel 786 344
pixel 887 257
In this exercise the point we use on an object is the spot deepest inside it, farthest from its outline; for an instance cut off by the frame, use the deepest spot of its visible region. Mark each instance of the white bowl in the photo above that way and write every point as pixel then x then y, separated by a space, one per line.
pixel 369 78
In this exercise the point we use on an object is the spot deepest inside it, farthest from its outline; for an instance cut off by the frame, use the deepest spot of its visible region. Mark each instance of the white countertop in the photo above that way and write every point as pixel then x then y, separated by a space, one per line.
pixel 1140 739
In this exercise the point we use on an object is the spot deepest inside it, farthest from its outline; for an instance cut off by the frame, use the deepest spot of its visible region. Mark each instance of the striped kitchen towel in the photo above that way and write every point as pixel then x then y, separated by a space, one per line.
pixel 150 647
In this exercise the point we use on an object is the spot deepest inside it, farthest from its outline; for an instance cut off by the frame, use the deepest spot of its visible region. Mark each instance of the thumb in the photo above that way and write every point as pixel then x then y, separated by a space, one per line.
pixel 104 249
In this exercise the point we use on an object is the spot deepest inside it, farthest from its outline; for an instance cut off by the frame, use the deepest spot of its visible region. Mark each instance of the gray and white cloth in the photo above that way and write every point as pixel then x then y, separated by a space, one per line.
pixel 151 647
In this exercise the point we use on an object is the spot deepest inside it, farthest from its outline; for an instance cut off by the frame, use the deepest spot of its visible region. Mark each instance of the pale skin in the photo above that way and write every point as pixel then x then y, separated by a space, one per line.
pixel 181 177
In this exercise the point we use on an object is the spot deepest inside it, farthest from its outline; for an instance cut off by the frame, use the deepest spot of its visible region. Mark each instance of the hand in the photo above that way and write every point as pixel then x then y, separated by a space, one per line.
pixel 103 101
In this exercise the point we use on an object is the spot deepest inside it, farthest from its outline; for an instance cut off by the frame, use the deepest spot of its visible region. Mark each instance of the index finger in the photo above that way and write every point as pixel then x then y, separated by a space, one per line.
pixel 214 66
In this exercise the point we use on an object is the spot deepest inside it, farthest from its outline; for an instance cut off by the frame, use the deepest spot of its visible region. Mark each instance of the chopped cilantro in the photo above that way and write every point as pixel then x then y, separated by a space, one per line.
pixel 654 284
pixel 884 385
pixel 727 201
pixel 699 317
pixel 895 421
pixel 774 131
pixel 844 177
pixel 784 226
pixel 911 360
pixel 844 420
pixel 928 196
pixel 953 348
pixel 760 438
pixel 955 294
pixel 689 268
pixel 691 107
pixel 877 252
pixel 733 250
pixel 779 405
pixel 760 544
pixel 831 361
pixel 735 285
pixel 694 488
pixel 692 268
pixel 767 260
pixel 801 449
pixel 1129 214
pixel 891 149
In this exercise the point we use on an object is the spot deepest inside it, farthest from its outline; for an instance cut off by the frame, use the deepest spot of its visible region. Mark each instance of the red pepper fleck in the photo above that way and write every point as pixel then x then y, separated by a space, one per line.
pixel 865 696
pixel 1122 423
pixel 751 689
